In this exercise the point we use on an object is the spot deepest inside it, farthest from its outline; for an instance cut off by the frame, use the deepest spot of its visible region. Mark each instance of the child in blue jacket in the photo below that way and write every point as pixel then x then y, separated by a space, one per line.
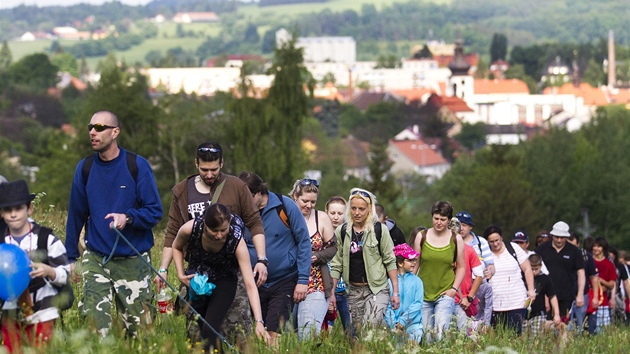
pixel 408 317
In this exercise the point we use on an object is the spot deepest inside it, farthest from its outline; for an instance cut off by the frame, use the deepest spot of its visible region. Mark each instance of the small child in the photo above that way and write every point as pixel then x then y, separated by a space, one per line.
pixel 536 314
pixel 32 315
pixel 408 317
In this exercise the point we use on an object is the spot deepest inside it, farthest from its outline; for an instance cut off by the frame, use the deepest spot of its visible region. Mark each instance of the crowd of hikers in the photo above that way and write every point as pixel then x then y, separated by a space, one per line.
pixel 252 260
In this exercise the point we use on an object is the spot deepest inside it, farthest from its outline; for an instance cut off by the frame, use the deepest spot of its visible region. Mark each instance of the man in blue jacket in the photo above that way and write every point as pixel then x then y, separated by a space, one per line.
pixel 114 193
pixel 288 248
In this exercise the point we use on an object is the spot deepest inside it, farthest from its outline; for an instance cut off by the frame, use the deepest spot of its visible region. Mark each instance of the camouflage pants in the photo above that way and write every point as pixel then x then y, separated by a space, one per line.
pixel 367 308
pixel 126 280
pixel 238 320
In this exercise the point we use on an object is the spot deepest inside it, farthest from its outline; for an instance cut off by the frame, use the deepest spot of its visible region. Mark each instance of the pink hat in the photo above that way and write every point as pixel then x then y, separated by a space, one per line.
pixel 405 251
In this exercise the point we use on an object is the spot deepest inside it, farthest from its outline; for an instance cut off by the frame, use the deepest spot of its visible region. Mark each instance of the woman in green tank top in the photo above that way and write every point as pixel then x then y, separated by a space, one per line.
pixel 438 248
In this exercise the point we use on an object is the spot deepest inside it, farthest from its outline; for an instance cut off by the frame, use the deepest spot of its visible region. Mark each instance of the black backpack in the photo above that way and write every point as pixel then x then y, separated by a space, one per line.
pixel 132 165
pixel 377 229
pixel 65 295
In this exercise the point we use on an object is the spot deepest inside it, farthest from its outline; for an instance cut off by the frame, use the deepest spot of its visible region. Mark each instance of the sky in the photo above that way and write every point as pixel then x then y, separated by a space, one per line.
pixel 6 4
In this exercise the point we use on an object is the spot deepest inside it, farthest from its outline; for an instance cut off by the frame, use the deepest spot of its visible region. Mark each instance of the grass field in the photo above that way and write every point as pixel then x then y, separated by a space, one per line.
pixel 168 336
pixel 264 17
pixel 281 11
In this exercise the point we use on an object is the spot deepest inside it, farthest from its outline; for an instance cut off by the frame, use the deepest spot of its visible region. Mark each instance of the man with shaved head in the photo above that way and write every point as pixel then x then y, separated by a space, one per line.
pixel 113 188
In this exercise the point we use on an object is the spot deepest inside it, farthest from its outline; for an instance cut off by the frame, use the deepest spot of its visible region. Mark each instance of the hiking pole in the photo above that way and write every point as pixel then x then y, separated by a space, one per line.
pixel 119 235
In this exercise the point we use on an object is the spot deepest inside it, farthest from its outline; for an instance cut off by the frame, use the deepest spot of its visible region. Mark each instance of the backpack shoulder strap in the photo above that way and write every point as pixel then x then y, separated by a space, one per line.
pixel 454 239
pixel 423 237
pixel 87 166
pixel 508 246
pixel 344 227
pixel 282 211
pixel 42 238
pixel 378 229
pixel 478 244
pixel 132 164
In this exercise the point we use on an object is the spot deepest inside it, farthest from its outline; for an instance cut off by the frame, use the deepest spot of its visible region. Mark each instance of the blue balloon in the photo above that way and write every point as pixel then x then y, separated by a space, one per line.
pixel 15 267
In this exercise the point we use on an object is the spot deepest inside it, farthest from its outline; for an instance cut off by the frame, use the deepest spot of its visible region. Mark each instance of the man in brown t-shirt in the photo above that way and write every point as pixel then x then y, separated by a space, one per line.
pixel 190 199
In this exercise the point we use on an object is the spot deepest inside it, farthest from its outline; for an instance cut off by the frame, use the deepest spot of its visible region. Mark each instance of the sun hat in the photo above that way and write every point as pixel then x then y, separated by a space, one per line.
pixel 560 229
pixel 14 194
pixel 405 251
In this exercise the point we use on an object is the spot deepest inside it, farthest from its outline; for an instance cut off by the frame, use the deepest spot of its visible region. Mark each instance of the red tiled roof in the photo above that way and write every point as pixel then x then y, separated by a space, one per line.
pixel 419 152
pixel 413 94
pixel 592 96
pixel 456 104
pixel 366 99
pixel 485 86
pixel 443 60
pixel 620 96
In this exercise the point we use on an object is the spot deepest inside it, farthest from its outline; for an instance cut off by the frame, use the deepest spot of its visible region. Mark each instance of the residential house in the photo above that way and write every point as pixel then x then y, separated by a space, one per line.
pixel 417 156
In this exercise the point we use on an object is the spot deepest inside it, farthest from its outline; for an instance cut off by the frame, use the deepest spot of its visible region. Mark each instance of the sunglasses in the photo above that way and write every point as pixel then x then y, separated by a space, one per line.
pixel 308 182
pixel 99 127
pixel 363 193
pixel 209 149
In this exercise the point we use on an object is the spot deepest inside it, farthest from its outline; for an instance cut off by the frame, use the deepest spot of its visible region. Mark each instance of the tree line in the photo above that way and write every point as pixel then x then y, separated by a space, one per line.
pixel 556 175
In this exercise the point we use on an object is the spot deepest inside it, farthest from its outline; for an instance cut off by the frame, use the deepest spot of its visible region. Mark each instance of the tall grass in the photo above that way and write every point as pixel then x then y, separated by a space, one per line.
pixel 168 334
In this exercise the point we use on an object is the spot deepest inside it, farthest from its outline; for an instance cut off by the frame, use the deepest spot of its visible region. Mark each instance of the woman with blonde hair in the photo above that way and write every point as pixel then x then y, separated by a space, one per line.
pixel 365 259
pixel 311 311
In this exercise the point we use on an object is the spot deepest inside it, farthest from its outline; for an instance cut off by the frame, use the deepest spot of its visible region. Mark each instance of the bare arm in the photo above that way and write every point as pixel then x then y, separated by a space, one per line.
pixel 581 280
pixel 181 240
pixel 529 279
pixel 242 256
pixel 556 310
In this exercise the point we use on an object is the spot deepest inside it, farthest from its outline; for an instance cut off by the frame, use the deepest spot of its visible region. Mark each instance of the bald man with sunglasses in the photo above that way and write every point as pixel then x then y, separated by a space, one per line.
pixel 113 197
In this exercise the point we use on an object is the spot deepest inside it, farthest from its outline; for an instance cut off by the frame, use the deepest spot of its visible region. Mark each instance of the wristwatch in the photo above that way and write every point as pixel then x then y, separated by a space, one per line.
pixel 470 298
pixel 263 260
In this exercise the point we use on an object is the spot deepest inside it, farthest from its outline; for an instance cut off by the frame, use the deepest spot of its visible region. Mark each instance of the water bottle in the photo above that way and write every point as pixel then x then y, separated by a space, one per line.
pixel 165 301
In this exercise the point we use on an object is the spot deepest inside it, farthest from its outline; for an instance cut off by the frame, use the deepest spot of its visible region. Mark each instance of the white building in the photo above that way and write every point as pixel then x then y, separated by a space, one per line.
pixel 202 81
pixel 323 49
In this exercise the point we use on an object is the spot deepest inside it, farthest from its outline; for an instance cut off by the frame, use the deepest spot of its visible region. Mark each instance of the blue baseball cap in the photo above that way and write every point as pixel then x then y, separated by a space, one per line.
pixel 520 236
pixel 465 218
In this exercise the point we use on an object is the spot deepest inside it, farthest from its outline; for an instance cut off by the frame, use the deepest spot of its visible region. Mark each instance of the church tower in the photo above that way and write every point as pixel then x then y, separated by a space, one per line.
pixel 460 83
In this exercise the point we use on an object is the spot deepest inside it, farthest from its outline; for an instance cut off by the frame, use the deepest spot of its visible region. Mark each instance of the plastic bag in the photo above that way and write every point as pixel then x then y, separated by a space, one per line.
pixel 200 286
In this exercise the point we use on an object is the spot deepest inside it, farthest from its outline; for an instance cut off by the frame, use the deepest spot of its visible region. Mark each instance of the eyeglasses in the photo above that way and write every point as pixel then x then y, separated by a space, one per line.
pixel 363 193
pixel 413 260
pixel 308 182
pixel 209 149
pixel 99 127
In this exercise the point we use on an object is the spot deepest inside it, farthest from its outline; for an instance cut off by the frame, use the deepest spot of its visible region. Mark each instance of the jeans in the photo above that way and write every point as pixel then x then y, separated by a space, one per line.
pixel 437 315
pixel 579 314
pixel 344 313
pixel 484 294
pixel 310 314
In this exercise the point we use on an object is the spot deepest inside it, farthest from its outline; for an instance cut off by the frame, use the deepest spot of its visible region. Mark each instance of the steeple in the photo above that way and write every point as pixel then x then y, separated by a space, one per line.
pixel 459 66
